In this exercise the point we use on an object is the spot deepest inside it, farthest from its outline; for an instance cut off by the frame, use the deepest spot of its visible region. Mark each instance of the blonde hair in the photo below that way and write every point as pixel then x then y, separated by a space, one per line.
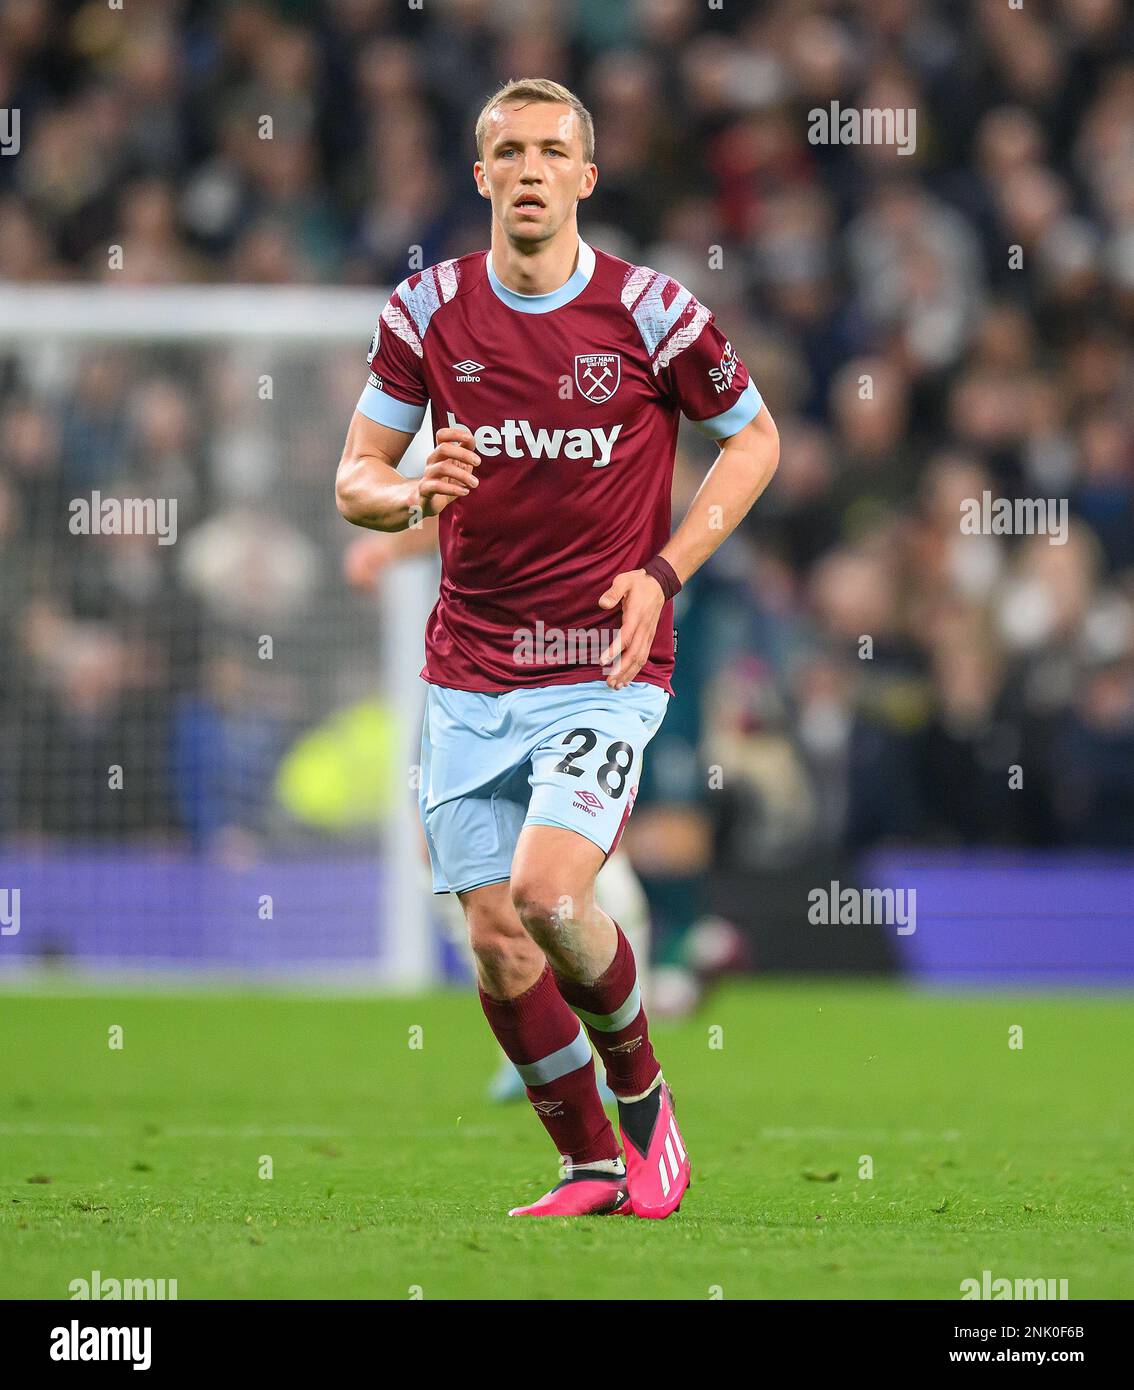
pixel 526 89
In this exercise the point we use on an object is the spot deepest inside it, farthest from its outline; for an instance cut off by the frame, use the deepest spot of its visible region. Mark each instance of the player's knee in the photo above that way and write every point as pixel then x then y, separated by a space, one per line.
pixel 498 944
pixel 546 909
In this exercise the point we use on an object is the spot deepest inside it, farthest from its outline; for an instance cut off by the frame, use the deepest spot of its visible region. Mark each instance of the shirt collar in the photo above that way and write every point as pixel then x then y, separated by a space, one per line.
pixel 555 299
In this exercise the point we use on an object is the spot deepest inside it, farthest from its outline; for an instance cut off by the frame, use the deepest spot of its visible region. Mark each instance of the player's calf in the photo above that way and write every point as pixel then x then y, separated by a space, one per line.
pixel 609 1003
pixel 542 1038
pixel 595 970
pixel 611 1009
pixel 508 961
pixel 579 941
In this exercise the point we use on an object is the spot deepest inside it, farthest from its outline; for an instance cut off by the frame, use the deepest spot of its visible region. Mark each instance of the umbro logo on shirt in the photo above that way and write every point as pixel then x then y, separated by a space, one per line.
pixel 468 369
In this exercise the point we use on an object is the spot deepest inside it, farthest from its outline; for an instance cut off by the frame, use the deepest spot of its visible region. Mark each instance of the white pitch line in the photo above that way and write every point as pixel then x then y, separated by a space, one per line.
pixel 251 1132
pixel 71 1131
pixel 905 1136
pixel 177 1132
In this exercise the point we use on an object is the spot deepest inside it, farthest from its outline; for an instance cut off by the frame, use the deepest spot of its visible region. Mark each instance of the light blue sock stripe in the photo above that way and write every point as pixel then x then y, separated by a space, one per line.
pixel 556 1064
pixel 621 1018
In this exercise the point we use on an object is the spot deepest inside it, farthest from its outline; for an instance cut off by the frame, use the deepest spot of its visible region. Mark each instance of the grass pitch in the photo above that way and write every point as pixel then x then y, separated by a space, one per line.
pixel 391 1173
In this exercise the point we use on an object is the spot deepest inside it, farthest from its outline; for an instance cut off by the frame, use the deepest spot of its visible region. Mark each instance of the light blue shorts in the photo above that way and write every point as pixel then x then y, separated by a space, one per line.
pixel 566 755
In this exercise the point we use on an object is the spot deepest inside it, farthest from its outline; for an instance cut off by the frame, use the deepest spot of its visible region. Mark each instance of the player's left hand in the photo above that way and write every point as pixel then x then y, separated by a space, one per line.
pixel 365 559
pixel 642 600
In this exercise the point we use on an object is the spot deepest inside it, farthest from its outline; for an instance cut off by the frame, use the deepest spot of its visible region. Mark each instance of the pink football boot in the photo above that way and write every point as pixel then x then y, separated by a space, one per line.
pixel 581 1197
pixel 657 1179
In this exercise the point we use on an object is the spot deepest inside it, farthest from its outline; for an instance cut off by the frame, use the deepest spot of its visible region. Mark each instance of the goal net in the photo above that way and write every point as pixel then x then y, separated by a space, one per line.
pixel 209 739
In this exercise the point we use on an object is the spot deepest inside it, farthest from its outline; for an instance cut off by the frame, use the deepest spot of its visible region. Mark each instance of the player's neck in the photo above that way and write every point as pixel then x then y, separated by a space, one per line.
pixel 542 271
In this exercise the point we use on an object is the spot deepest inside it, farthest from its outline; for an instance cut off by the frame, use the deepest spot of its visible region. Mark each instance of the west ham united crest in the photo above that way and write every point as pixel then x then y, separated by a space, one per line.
pixel 597 375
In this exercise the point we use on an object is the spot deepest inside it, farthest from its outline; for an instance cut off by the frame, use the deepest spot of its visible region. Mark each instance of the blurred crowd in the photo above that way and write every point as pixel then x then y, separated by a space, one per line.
pixel 925 328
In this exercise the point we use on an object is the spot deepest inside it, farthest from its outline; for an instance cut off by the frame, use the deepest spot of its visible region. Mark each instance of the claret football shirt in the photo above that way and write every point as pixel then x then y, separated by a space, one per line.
pixel 573 399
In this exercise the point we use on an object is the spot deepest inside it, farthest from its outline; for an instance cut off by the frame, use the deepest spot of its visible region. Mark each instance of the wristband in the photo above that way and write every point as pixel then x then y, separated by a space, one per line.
pixel 661 570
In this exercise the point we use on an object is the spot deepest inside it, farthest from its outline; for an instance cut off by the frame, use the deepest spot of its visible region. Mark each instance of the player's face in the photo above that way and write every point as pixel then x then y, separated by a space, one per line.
pixel 533 169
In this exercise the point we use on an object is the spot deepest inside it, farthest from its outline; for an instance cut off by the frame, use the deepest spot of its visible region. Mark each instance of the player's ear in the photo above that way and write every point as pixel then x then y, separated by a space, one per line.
pixel 481 182
pixel 590 178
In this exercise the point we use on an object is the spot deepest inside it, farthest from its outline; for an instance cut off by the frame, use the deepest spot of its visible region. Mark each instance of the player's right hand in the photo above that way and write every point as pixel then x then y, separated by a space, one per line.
pixel 448 472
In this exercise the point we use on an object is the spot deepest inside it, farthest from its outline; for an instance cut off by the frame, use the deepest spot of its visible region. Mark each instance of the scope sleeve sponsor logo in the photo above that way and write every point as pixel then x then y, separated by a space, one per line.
pixel 722 375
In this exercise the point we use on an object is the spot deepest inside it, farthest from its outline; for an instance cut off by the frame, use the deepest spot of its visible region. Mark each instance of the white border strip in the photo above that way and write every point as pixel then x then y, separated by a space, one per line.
pixel 189 313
